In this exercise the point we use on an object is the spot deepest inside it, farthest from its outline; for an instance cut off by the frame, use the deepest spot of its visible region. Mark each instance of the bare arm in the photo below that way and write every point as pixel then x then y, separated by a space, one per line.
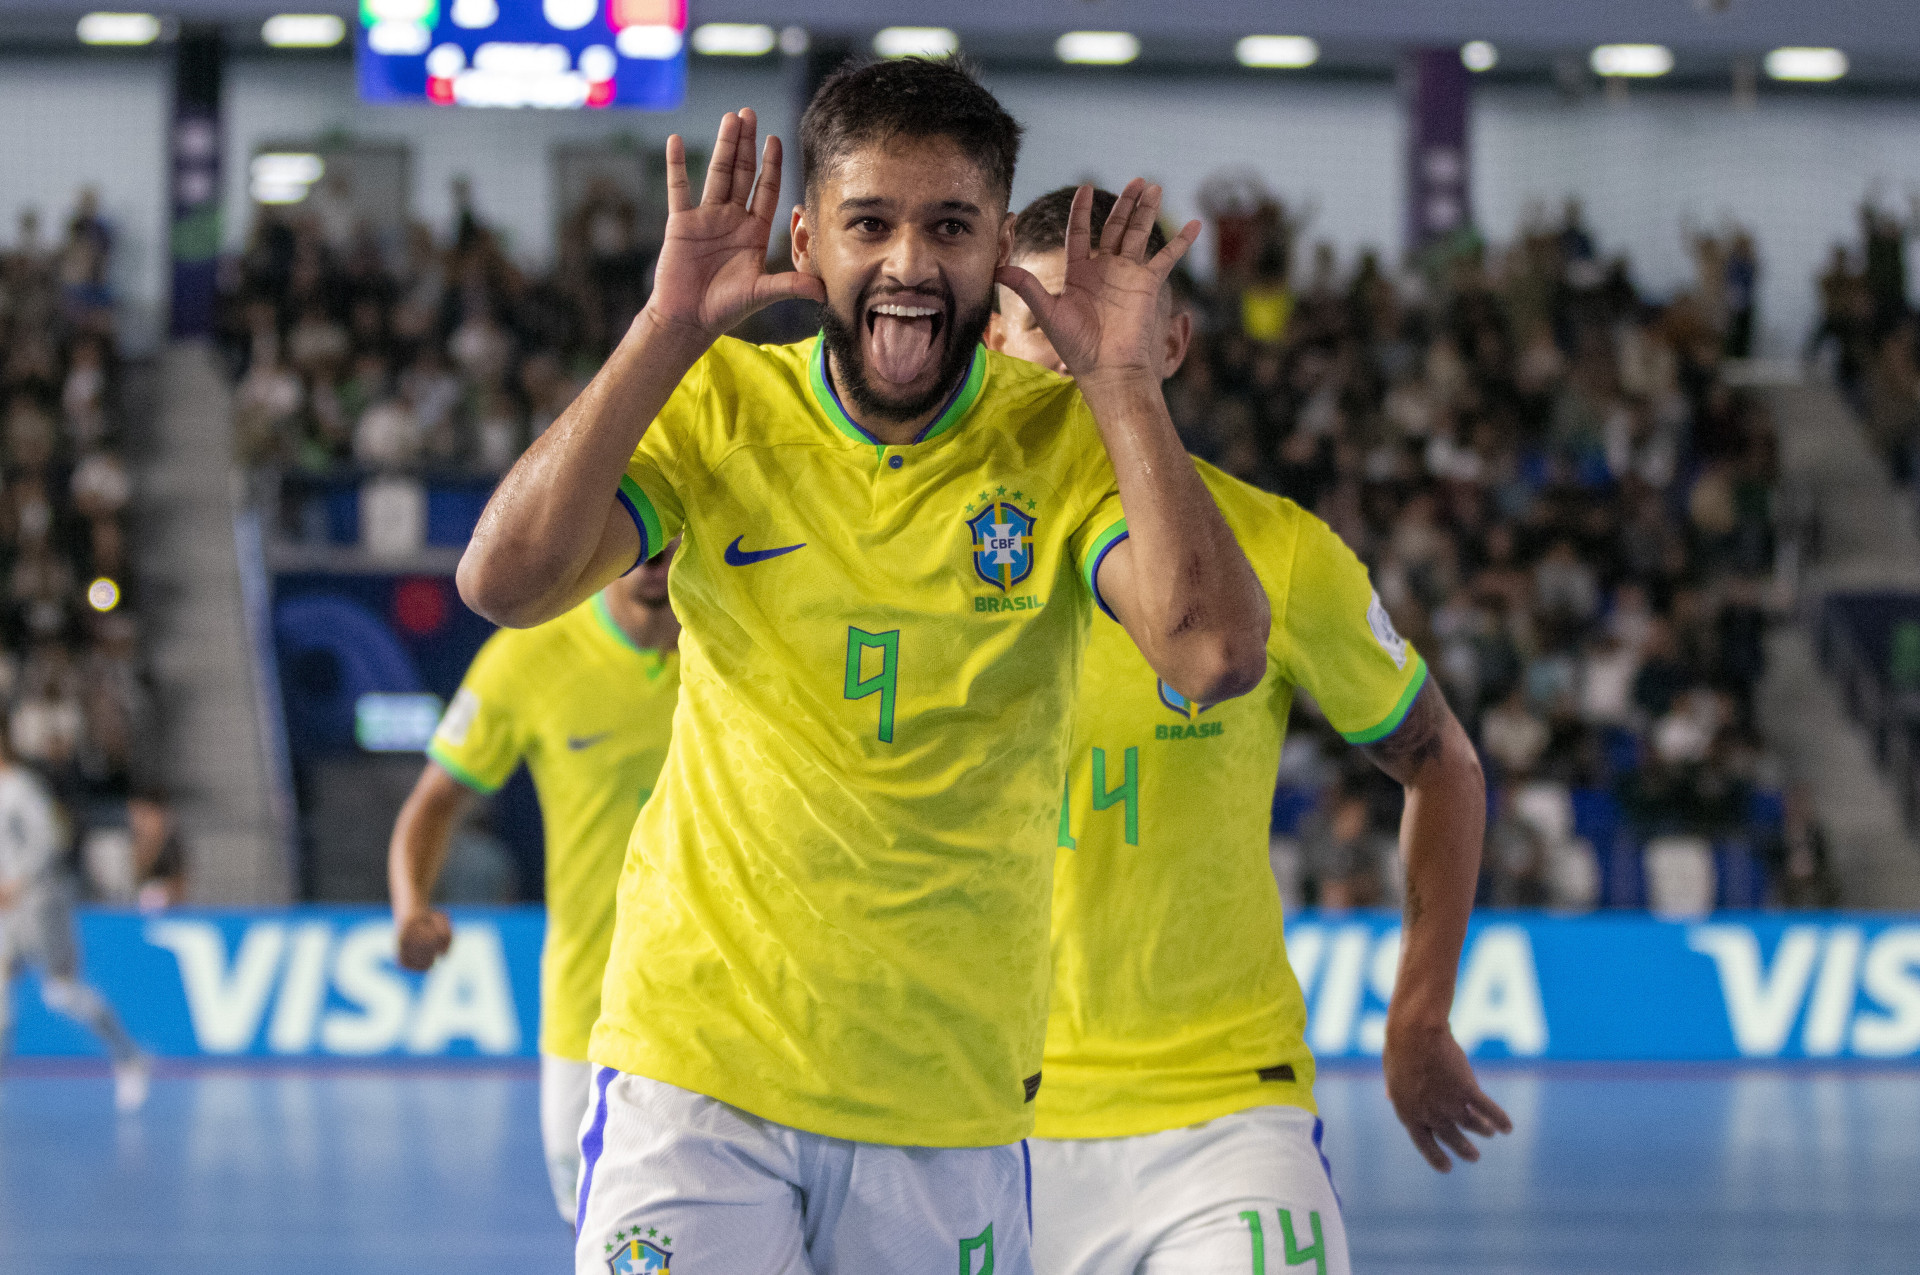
pixel 554 531
pixel 415 856
pixel 1179 582
pixel 1429 1080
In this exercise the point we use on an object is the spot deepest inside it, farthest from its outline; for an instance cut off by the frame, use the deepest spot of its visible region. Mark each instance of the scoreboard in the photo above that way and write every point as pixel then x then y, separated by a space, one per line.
pixel 555 54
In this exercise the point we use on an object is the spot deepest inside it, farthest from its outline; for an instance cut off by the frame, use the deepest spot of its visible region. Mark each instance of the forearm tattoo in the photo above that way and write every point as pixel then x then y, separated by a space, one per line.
pixel 1416 906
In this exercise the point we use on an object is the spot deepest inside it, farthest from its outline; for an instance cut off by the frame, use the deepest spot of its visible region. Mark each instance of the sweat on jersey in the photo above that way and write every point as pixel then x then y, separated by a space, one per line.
pixel 590 713
pixel 834 911
pixel 1173 1002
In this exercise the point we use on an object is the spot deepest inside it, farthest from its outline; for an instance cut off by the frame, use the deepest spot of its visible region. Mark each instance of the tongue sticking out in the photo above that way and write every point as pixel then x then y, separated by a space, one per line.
pixel 901 349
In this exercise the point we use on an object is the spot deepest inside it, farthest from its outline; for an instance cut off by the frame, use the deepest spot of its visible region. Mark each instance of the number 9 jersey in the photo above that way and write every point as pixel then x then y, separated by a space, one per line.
pixel 834 910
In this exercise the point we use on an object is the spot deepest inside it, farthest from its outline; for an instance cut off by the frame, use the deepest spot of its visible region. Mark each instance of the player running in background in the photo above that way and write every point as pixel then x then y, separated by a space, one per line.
pixel 1176 1130
pixel 587 702
pixel 37 927
pixel 823 1017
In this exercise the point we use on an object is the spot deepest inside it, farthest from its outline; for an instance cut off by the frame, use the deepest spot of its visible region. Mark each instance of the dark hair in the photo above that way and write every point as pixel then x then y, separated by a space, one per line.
pixel 1042 227
pixel 908 97
pixel 1042 224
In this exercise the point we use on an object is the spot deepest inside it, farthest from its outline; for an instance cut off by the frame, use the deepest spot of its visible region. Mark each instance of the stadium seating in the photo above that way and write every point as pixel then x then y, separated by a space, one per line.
pixel 1563 503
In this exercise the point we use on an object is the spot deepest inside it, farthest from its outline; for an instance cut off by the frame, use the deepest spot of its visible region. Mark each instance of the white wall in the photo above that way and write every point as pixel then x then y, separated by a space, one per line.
pixel 506 153
pixel 68 122
pixel 1336 146
pixel 1793 169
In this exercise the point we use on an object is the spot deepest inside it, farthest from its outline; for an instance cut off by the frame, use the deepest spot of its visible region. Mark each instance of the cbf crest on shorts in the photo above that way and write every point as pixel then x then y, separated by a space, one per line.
pixel 633 1254
pixel 1002 537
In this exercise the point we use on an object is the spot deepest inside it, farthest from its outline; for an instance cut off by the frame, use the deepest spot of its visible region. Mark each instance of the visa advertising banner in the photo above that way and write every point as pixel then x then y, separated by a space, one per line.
pixel 321 984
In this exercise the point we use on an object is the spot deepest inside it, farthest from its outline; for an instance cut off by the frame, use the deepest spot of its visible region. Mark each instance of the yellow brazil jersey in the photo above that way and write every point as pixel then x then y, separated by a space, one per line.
pixel 1173 1002
pixel 590 713
pixel 834 911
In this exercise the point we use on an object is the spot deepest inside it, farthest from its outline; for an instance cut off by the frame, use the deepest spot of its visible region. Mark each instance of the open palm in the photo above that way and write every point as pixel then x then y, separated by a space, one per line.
pixel 1102 323
pixel 712 268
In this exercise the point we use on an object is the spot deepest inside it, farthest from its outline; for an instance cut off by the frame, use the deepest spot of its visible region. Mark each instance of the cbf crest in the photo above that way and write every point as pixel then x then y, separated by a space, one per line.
pixel 635 1253
pixel 1002 524
pixel 1179 703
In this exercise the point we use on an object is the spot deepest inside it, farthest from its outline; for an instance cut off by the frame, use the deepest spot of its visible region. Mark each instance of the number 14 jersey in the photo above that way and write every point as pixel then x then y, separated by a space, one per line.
pixel 834 910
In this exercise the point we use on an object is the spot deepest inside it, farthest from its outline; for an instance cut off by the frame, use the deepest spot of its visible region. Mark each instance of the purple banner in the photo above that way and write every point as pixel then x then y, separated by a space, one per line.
pixel 1438 93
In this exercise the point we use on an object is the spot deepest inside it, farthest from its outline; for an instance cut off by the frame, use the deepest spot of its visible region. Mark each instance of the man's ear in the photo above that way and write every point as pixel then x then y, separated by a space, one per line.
pixel 1006 240
pixel 996 335
pixel 1179 338
pixel 802 239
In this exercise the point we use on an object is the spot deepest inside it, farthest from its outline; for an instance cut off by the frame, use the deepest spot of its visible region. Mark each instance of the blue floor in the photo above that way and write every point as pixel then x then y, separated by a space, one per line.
pixel 378 1173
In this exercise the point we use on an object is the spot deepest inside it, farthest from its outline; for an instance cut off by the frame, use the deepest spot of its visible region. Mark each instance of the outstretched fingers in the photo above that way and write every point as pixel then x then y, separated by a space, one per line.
pixel 1079 227
pixel 1133 245
pixel 679 191
pixel 719 187
pixel 744 157
pixel 1168 257
pixel 1114 233
pixel 766 193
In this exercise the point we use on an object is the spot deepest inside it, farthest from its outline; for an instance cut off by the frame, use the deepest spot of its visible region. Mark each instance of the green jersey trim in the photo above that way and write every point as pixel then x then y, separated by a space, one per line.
pixel 962 401
pixel 460 772
pixel 958 404
pixel 1397 714
pixel 646 519
pixel 654 658
pixel 1103 545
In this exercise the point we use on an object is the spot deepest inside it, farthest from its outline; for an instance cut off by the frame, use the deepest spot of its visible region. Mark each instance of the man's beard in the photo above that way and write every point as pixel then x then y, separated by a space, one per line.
pixel 963 333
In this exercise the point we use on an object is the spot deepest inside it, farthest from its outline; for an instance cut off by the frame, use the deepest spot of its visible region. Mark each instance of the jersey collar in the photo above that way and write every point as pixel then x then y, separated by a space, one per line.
pixel 656 660
pixel 949 415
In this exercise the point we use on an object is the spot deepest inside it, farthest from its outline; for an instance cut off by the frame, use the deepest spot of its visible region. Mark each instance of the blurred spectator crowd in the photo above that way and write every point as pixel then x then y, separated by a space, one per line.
pixel 442 359
pixel 1563 503
pixel 1870 334
pixel 1566 508
pixel 73 684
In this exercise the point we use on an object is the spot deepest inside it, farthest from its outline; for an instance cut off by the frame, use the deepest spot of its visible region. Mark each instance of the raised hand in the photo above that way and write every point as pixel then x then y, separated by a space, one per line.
pixel 1102 323
pixel 712 268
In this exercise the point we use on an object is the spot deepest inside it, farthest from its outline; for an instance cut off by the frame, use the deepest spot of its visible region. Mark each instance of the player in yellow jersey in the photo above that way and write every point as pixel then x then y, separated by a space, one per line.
pixel 1176 1130
pixel 822 1023
pixel 586 701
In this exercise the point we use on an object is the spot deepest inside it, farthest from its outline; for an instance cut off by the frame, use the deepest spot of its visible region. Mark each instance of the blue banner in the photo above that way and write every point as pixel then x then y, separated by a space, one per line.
pixel 321 983
pixel 306 983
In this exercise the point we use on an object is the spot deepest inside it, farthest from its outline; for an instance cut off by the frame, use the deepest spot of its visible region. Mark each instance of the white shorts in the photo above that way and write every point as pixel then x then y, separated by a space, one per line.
pixel 1249 1192
pixel 566 1089
pixel 671 1176
pixel 38 930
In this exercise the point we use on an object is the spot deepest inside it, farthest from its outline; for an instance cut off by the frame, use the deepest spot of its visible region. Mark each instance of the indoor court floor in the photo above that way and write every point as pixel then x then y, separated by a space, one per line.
pixel 378 1172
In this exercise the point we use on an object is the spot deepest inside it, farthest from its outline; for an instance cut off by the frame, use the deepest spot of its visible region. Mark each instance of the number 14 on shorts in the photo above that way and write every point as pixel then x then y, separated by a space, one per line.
pixel 1294 1254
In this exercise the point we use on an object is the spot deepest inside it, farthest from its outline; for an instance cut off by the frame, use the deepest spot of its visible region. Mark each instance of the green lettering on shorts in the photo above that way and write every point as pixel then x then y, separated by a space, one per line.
pixel 983 1245
pixel 1290 1245
pixel 1297 1256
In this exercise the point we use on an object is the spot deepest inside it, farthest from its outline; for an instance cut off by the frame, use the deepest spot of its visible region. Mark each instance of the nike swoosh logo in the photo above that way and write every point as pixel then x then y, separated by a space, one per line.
pixel 578 742
pixel 738 557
